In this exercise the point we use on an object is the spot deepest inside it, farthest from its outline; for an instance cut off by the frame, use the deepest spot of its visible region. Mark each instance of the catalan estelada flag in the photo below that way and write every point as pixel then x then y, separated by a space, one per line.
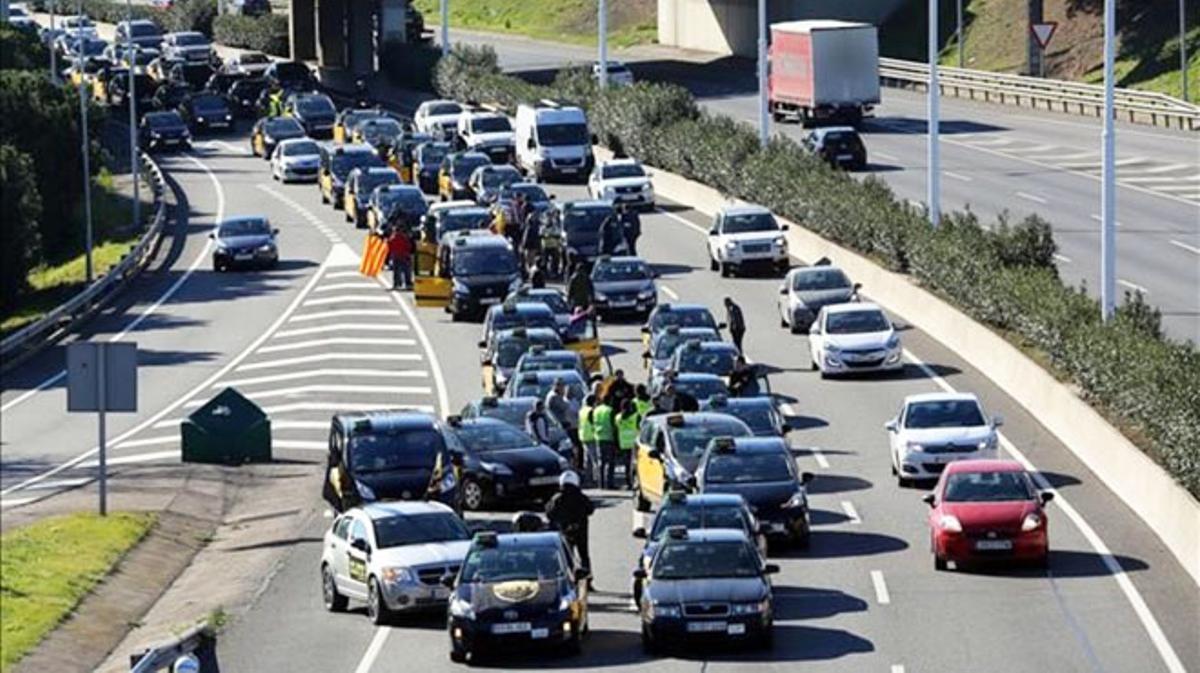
pixel 375 253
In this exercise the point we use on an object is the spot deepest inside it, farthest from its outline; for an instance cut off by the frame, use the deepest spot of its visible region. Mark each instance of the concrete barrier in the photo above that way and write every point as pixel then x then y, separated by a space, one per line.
pixel 1166 507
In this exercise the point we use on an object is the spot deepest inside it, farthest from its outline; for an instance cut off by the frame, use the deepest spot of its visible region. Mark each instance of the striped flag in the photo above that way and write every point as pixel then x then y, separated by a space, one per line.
pixel 375 253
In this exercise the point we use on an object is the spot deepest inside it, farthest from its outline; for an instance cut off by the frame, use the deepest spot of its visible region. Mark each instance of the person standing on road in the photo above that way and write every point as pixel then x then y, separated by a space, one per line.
pixel 559 406
pixel 400 250
pixel 631 227
pixel 587 436
pixel 604 426
pixel 537 423
pixel 618 390
pixel 735 321
pixel 628 422
pixel 665 401
pixel 275 102
pixel 579 289
pixel 568 511
pixel 641 400
pixel 610 235
pixel 531 242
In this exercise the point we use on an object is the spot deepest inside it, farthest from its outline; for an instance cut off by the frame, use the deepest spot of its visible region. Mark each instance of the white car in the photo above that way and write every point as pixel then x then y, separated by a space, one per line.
pixel 19 17
pixel 188 46
pixel 393 556
pixel 745 235
pixel 488 132
pixel 296 159
pixel 619 74
pixel 853 338
pixel 438 118
pixel 622 181
pixel 806 289
pixel 252 63
pixel 935 429
pixel 74 26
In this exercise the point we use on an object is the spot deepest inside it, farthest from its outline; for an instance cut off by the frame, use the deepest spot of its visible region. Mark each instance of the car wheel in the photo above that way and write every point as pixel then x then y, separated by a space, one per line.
pixel 377 609
pixel 637 593
pixel 574 646
pixel 782 268
pixel 334 601
pixel 458 656
pixel 782 320
pixel 766 641
pixel 726 269
pixel 712 264
pixel 795 328
pixel 939 563
pixel 640 501
pixel 903 481
pixel 473 495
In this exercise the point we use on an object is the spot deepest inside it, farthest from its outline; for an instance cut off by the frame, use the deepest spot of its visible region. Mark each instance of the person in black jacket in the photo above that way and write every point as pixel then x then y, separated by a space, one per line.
pixel 735 321
pixel 631 227
pixel 568 511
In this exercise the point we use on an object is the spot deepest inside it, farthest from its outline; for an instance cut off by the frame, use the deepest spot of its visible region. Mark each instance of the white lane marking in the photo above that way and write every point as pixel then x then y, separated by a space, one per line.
pixel 372 653
pixel 1150 179
pixel 1097 218
pixel 434 364
pixel 1062 258
pixel 299 425
pixel 150 310
pixel 683 221
pixel 342 327
pixel 324 357
pixel 135 458
pixel 1170 168
pixel 1149 623
pixel 1177 188
pixel 1133 286
pixel 342 406
pixel 885 157
pixel 669 292
pixel 881 591
pixel 1185 246
pixel 958 176
pixel 348 298
pixel 149 441
pixel 344 274
pixel 347 286
pixel 1030 197
pixel 53 484
pixel 987 142
pixel 9 503
pixel 851 513
pixel 299 444
pixel 346 313
pixel 897 668
pixel 318 389
pixel 317 373
pixel 1096 165
pixel 153 420
pixel 335 341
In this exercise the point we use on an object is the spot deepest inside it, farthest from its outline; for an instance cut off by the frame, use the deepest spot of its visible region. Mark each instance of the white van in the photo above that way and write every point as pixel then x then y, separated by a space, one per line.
pixel 553 141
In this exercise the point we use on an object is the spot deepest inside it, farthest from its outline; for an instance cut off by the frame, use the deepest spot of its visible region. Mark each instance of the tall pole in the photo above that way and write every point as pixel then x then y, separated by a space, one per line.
pixel 87 170
pixel 958 33
pixel 1183 59
pixel 602 41
pixel 445 28
pixel 935 171
pixel 763 102
pixel 102 407
pixel 135 164
pixel 53 55
pixel 1108 193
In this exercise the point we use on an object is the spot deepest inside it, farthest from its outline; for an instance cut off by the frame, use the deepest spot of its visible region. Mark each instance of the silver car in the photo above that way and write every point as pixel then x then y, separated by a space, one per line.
pixel 808 288
pixel 393 556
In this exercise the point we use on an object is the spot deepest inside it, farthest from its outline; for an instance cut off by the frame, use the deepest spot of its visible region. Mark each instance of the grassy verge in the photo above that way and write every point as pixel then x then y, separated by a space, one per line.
pixel 56 281
pixel 46 568
pixel 630 22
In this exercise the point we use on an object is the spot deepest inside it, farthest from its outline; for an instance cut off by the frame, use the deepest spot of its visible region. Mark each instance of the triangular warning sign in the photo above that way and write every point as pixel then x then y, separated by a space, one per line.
pixel 1042 32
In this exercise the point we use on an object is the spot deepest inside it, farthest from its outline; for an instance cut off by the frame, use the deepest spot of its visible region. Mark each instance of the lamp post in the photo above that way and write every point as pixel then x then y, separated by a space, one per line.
pixel 933 183
pixel 87 171
pixel 1108 194
pixel 763 102
pixel 135 165
pixel 445 28
pixel 958 32
pixel 602 41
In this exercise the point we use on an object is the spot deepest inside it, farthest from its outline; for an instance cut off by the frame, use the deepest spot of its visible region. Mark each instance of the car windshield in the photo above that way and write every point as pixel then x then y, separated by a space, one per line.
pixel 579 221
pixel 482 437
pixel 490 125
pixel 944 414
pixel 408 529
pixel 719 362
pixel 401 450
pixel 748 222
pixel 462 220
pixel 509 351
pixel 502 320
pixel 682 318
pixel 315 105
pixel 702 389
pixel 441 109
pixel 190 40
pixel 548 364
pixel 532 193
pixel 553 300
pixel 988 487
pixel 291 71
pixel 734 468
pixel 508 563
pixel 836 140
pixel 856 322
pixel 490 261
pixel 500 177
pixel 302 148
pixel 725 516
pixel 369 181
pixel 433 153
pixel 17 13
pixel 410 200
pixel 667 343
pixel 623 171
pixel 162 120
pixel 280 126
pixel 539 388
pixel 554 135
pixel 820 279
pixel 342 164
pixel 464 166
pixel 209 104
pixel 691 440
pixel 757 416
pixel 380 129
pixel 143 29
pixel 245 228
pixel 248 88
pixel 699 560
pixel 620 271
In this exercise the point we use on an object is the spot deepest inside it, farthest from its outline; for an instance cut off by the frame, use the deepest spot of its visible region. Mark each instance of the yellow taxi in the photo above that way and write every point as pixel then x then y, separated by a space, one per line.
pixel 669 448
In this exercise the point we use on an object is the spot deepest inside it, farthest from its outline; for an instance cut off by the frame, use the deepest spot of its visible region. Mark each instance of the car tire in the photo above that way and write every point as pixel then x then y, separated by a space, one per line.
pixel 939 563
pixel 377 609
pixel 766 641
pixel 458 656
pixel 713 265
pixel 334 601
pixel 795 328
pixel 640 502
pixel 637 593
pixel 726 269
pixel 783 321
pixel 903 481
pixel 574 646
pixel 782 268
pixel 474 497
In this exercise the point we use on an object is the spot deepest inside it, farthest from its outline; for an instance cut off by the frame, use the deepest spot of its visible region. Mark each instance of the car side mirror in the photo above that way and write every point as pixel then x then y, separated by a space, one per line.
pixel 815 329
pixel 212 235
pixel 639 533
pixel 645 355
pixel 770 569
pixel 530 144
pixel 645 329
pixel 806 477
pixel 481 343
pixel 929 499
pixel 783 227
pixel 655 454
pixel 447 580
pixel 997 420
pixel 783 289
pixel 857 287
pixel 639 574
pixel 722 325
pixel 595 139
pixel 485 363
pixel 361 545
pixel 891 426
pixel 275 231
pixel 1046 496
pixel 713 232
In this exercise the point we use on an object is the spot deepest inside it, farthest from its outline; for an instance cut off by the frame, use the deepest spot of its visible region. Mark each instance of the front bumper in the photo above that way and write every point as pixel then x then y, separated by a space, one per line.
pixel 637 198
pixel 499 154
pixel 549 169
pixel 752 253
pixel 623 304
pixel 472 635
pixel 473 302
pixel 414 596
pixel 519 488
pixel 242 259
pixel 318 129
pixel 790 524
pixel 883 360
pixel 734 628
pixel 171 142
pixel 964 547
pixel 299 173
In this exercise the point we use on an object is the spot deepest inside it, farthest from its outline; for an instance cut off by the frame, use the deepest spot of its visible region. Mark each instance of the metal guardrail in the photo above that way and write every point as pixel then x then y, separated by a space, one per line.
pixel 1142 107
pixel 49 328
pixel 199 641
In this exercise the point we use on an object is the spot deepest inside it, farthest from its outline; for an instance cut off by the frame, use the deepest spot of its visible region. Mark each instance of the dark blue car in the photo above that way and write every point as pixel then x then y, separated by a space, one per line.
pixel 501 463
pixel 762 471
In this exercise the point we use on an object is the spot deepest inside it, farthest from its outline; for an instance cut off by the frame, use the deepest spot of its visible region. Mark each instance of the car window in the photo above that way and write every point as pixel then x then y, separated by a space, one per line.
pixel 397 531
pixel 490 125
pixel 707 516
pixel 734 468
pixel 507 563
pixel 856 322
pixel 698 560
pixel 300 149
pixel 623 171
pixel 988 487
pixel 245 228
pixel 690 441
pixel 820 279
pixel 682 318
pixel 391 451
pixel 749 222
pixel 342 527
pixel 478 437
pixel 358 531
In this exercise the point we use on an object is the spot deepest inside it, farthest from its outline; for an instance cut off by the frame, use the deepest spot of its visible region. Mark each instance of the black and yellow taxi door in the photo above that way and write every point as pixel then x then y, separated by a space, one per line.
pixel 431 290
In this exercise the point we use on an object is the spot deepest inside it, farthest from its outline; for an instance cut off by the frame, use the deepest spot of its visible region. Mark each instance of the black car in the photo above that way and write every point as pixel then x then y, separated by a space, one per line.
pixel 243 95
pixel 220 82
pixel 270 131
pixel 427 159
pixel 624 285
pixel 581 222
pixel 515 591
pixel 513 410
pixel 456 173
pixel 169 96
pixel 314 111
pixel 704 586
pixel 160 130
pixel 502 463
pixel 194 76
pixel 244 241
pixel 290 75
pixel 484 270
pixel 206 112
pixel 762 471
pixel 839 146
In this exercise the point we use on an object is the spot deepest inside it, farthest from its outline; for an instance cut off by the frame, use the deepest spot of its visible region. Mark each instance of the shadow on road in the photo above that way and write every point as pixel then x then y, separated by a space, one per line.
pixel 837 483
pixel 826 544
pixel 795 603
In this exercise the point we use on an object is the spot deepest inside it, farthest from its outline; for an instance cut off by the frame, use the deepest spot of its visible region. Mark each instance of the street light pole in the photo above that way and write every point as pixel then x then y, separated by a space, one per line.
pixel 602 41
pixel 763 102
pixel 958 32
pixel 1183 59
pixel 53 55
pixel 87 170
pixel 135 164
pixel 445 28
pixel 934 180
pixel 1108 194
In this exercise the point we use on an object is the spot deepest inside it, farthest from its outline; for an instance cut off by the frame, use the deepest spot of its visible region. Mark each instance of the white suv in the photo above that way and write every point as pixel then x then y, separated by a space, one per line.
pixel 935 429
pixel 744 235
pixel 622 181
pixel 488 132
pixel 853 338
pixel 438 118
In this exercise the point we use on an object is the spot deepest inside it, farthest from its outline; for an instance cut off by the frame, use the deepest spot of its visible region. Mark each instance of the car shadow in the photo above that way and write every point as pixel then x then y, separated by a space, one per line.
pixel 792 643
pixel 1063 563
pixel 799 422
pixel 603 647
pixel 832 544
pixel 797 603
pixel 825 517
pixel 672 269
pixel 837 483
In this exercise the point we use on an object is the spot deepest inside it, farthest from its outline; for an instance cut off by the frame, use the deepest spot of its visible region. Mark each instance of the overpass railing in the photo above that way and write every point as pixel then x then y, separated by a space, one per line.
pixel 1142 107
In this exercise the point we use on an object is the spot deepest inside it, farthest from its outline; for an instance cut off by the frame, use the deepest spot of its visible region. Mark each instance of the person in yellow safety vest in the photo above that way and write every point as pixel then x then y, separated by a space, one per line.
pixel 642 402
pixel 628 422
pixel 275 102
pixel 587 436
pixel 604 425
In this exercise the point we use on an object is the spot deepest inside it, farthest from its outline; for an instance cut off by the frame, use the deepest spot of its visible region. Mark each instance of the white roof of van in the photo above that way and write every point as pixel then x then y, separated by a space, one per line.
pixel 816 24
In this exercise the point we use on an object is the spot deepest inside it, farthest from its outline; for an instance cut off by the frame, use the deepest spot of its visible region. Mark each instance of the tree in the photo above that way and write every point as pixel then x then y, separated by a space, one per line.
pixel 20 243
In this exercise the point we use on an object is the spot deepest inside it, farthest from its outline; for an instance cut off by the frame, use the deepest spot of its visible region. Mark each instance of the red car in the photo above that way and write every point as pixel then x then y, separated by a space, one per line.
pixel 988 510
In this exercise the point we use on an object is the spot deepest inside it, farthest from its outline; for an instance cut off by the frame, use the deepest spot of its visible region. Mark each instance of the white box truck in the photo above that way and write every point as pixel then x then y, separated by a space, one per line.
pixel 823 71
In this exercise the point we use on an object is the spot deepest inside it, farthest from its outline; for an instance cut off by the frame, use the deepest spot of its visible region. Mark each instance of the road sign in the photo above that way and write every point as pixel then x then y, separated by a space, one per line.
pixel 102 377
pixel 1042 32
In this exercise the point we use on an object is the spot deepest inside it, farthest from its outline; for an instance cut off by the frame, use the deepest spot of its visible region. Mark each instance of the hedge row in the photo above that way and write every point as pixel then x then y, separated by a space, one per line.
pixel 1001 273
pixel 267 33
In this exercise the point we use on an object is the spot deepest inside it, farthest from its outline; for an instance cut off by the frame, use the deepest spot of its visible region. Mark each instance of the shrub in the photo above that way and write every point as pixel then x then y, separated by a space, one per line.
pixel 19 226
pixel 409 65
pixel 267 33
pixel 21 49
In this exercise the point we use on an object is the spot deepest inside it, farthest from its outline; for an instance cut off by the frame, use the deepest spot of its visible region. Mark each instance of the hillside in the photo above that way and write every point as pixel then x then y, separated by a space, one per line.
pixel 629 21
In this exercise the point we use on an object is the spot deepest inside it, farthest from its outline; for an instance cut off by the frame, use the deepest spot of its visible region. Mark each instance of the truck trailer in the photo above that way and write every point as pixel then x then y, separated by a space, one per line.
pixel 823 71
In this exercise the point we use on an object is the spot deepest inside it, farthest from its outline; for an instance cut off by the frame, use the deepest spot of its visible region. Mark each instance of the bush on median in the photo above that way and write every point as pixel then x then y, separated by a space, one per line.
pixel 1001 274
pixel 267 33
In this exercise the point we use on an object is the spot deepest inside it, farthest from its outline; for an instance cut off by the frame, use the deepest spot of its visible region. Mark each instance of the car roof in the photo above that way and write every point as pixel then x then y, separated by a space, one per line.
pixel 483 240
pixel 348 148
pixel 474 156
pixel 567 375
pixel 383 510
pixel 383 420
pixel 737 402
pixel 401 187
pixel 682 308
pixel 530 333
pixel 448 205
pixel 522 400
pixel 710 535
pixel 695 377
pixel 623 259
pixel 686 332
pixel 693 417
pixel 627 161
pixel 940 397
pixel 834 129
pixel 745 209
pixel 540 539
pixel 713 345
pixel 242 218
pixel 760 445
pixel 984 466
pixel 852 307
pixel 521 307
pixel 588 203
pixel 555 354
pixel 379 170
pixel 706 500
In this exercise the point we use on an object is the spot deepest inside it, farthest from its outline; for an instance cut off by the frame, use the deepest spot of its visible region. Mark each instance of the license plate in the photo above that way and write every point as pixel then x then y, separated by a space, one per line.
pixel 845 157
pixel 539 633
pixel 568 170
pixel 543 481
pixel 778 528
pixel 736 629
pixel 707 627
pixel 514 627
pixel 243 258
pixel 622 304
pixel 441 593
pixel 993 545
pixel 488 301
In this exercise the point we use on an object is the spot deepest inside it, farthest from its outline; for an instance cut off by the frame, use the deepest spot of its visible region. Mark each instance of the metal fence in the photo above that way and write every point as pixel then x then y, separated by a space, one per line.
pixel 1142 107
pixel 23 343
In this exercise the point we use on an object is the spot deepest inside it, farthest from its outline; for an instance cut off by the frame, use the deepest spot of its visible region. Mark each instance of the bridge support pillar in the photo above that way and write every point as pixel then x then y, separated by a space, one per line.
pixel 302 29
pixel 360 32
pixel 331 34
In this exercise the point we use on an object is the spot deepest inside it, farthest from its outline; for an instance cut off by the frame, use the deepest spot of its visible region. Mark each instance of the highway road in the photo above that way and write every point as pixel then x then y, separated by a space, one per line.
pixel 994 159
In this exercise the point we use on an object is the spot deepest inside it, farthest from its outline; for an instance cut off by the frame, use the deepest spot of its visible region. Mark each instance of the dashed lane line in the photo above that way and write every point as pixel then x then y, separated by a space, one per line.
pixel 851 513
pixel 348 298
pixel 1097 218
pixel 1062 258
pixel 958 176
pixel 346 286
pixel 881 589
pixel 1190 248
pixel 1133 286
pixel 343 313
pixel 669 292
pixel 294 391
pixel 1030 197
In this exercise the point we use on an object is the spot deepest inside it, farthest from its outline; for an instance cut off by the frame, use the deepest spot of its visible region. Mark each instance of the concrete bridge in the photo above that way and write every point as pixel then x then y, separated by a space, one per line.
pixel 346 34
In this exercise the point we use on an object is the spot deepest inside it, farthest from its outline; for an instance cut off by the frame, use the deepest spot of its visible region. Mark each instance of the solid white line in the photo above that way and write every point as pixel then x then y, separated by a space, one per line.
pixel 342 406
pixel 1030 197
pixel 52 484
pixel 345 313
pixel 682 220
pixel 348 298
pixel 1161 178
pixel 346 286
pixel 1185 246
pixel 342 327
pixel 344 274
pixel 988 142
pixel 150 310
pixel 1133 286
pixel 1149 623
pixel 434 364
pixel 135 458
pixel 318 389
pixel 6 503
pixel 897 668
pixel 1176 188
pixel 958 176
pixel 322 357
pixel 149 441
pixel 881 590
pixel 1062 258
pixel 669 292
pixel 851 513
pixel 299 425
pixel 373 650
pixel 335 341
pixel 315 373
pixel 299 444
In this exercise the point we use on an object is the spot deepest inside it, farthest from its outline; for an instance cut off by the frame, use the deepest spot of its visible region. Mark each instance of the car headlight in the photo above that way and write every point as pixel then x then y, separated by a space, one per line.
pixel 647 187
pixel 600 296
pixel 364 490
pixel 398 575
pixel 460 288
pixel 200 119
pixel 987 444
pixel 563 463
pixel 780 242
pixel 893 342
pixel 730 245
pixel 565 602
pixel 832 349
pixel 664 610
pixel 751 608
pixel 950 523
pixel 798 500
pixel 1032 522
pixel 267 247
pixel 914 447
pixel 499 469
pixel 646 294
pixel 461 609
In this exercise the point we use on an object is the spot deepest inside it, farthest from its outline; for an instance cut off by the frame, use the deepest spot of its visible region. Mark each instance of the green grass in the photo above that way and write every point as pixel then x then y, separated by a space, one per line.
pixel 46 568
pixel 631 22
